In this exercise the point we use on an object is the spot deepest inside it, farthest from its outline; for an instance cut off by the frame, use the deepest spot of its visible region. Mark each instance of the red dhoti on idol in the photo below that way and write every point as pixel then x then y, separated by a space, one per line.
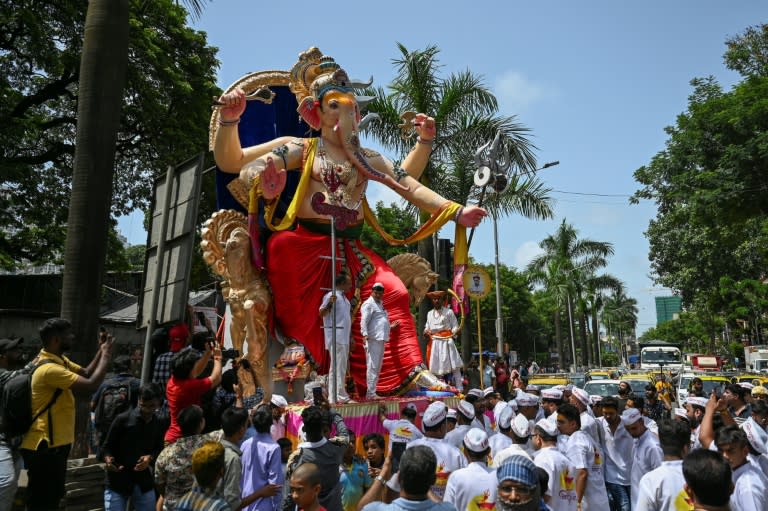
pixel 299 274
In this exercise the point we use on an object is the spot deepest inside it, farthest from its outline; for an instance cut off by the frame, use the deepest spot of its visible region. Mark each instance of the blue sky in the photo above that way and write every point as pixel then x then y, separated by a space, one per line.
pixel 595 81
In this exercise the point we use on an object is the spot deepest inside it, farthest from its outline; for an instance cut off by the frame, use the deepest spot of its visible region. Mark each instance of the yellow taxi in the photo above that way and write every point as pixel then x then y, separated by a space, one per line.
pixel 599 374
pixel 748 377
pixel 547 381
pixel 638 381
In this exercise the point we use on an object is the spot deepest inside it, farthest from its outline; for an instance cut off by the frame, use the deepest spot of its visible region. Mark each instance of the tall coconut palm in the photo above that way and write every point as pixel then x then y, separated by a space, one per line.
pixel 574 258
pixel 593 298
pixel 620 315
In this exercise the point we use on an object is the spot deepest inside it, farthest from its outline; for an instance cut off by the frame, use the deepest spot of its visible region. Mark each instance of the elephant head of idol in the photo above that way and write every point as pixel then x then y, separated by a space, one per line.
pixel 327 102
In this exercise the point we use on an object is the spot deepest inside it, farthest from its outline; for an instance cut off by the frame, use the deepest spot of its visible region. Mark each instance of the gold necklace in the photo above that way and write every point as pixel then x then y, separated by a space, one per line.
pixel 339 180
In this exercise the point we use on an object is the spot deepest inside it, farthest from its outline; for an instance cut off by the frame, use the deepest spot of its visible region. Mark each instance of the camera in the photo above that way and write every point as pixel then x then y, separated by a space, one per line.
pixel 229 354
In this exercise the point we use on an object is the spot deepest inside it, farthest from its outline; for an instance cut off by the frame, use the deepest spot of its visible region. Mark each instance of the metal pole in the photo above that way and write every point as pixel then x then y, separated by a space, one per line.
pixel 146 368
pixel 499 325
pixel 479 340
pixel 570 325
pixel 332 388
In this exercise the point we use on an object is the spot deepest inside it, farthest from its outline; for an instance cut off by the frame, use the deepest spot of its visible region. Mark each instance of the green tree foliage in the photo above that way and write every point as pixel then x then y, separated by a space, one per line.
pixel 746 302
pixel 709 183
pixel 689 330
pixel 395 220
pixel 165 113
pixel 566 269
pixel 522 320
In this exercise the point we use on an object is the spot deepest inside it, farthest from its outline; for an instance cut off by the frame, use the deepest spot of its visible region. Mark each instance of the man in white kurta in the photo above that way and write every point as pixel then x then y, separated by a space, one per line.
pixel 473 487
pixel 561 490
pixel 647 455
pixel 336 307
pixel 442 326
pixel 586 457
pixel 663 489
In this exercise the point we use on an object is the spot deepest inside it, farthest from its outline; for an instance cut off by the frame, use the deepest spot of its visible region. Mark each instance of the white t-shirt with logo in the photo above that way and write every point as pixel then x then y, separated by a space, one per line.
pixel 585 454
pixel 449 459
pixel 562 478
pixel 662 489
pixel 472 488
pixel 401 430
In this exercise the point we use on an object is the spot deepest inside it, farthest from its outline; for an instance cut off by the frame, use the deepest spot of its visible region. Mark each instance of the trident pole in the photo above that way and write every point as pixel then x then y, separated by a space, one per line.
pixel 333 383
pixel 479 340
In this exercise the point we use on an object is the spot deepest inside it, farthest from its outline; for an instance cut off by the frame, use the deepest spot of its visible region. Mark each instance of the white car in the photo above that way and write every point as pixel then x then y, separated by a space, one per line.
pixel 602 388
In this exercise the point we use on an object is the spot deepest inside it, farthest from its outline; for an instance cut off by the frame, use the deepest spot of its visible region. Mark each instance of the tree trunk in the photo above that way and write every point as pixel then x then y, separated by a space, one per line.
pixel 102 77
pixel 559 340
pixel 585 344
pixel 596 334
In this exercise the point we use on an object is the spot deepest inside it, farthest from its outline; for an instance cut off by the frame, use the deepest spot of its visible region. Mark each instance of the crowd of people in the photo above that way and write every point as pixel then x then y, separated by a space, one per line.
pixel 190 440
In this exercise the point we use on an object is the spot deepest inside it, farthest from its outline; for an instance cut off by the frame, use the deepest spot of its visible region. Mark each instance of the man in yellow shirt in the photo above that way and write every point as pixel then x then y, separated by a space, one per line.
pixel 664 388
pixel 46 445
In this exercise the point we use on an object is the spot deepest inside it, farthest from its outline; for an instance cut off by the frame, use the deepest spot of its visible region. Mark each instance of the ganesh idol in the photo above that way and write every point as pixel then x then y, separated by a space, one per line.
pixel 296 186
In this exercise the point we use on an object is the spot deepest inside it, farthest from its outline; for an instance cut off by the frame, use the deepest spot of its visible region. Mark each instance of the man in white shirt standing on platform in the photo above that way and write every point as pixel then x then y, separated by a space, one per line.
pixel 473 487
pixel 561 490
pixel 663 489
pixel 617 446
pixel 647 453
pixel 586 457
pixel 374 326
pixel 441 327
pixel 336 302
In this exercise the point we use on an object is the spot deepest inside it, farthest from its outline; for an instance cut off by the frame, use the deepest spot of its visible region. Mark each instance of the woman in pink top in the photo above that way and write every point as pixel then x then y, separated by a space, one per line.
pixel 184 388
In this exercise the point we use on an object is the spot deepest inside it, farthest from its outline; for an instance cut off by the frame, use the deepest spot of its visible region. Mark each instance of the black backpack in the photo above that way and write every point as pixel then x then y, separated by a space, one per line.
pixel 16 404
pixel 115 399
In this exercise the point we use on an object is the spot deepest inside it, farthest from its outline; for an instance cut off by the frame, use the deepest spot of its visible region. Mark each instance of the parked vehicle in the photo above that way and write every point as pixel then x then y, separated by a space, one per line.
pixel 602 388
pixel 756 358
pixel 660 355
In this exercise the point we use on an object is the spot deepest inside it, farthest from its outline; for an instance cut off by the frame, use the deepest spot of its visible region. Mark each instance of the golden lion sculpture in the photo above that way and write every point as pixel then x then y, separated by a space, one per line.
pixel 416 274
pixel 226 248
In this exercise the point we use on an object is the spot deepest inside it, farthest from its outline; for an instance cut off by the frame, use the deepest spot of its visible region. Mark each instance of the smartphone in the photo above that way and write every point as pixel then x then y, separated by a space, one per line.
pixel 398 448
pixel 317 395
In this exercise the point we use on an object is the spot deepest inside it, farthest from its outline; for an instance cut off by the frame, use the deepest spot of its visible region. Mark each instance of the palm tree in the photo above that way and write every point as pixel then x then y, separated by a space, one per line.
pixel 620 315
pixel 594 287
pixel 566 262
pixel 466 115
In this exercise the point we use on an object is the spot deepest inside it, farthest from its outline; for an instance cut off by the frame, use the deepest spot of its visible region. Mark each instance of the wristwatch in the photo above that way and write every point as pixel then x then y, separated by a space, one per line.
pixel 381 480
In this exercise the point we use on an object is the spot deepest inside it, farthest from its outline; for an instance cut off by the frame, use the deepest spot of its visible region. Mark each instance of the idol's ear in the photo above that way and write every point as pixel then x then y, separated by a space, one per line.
pixel 309 110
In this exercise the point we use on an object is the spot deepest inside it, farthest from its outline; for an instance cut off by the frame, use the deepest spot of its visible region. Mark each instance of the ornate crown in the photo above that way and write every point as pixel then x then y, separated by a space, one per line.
pixel 315 74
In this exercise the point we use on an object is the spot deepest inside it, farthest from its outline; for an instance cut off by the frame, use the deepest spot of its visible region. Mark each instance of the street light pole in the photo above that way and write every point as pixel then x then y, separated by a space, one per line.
pixel 499 325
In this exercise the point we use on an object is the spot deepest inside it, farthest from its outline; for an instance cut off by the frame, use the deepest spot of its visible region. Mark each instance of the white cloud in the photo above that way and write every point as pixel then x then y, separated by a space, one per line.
pixel 525 253
pixel 515 91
